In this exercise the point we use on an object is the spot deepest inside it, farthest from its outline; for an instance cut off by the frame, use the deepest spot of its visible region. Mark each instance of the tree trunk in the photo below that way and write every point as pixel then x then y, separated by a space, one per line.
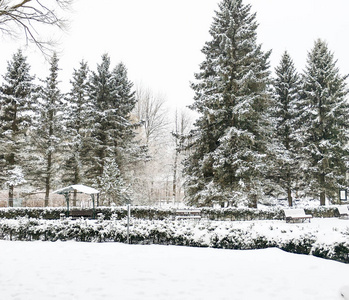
pixel 322 188
pixel 174 186
pixel 322 198
pixel 253 202
pixel 289 197
pixel 47 192
pixel 10 196
pixel 48 179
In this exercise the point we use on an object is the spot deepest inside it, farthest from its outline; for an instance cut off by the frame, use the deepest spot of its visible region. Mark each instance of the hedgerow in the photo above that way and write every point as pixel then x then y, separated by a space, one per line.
pixel 226 235
pixel 154 213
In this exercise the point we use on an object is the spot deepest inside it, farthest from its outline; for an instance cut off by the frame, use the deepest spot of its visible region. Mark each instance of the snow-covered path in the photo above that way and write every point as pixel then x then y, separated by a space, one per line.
pixel 72 270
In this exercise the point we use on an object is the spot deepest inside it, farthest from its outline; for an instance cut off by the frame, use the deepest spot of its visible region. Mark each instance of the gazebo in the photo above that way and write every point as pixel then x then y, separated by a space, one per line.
pixel 79 188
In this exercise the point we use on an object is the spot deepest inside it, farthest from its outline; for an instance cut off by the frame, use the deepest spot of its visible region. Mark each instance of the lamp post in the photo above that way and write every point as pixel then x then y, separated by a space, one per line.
pixel 128 222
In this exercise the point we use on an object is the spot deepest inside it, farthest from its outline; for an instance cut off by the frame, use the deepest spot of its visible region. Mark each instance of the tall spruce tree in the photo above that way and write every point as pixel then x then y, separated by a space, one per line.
pixel 79 117
pixel 325 111
pixel 112 133
pixel 47 132
pixel 287 97
pixel 229 144
pixel 15 106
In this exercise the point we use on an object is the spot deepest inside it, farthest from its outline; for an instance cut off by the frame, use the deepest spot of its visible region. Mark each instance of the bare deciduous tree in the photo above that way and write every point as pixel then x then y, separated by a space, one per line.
pixel 150 109
pixel 26 16
pixel 183 123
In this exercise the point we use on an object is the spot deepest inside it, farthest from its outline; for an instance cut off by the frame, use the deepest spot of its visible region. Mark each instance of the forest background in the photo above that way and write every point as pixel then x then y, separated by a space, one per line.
pixel 111 143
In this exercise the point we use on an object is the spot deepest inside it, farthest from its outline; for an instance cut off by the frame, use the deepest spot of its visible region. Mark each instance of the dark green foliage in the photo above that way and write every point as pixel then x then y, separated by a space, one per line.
pixel 112 134
pixel 227 155
pixel 47 134
pixel 325 111
pixel 15 120
pixel 167 232
pixel 287 154
pixel 152 213
pixel 301 245
pixel 79 115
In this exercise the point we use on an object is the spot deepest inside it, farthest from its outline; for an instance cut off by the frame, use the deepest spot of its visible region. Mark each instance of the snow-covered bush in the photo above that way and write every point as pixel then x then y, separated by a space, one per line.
pixel 155 213
pixel 296 238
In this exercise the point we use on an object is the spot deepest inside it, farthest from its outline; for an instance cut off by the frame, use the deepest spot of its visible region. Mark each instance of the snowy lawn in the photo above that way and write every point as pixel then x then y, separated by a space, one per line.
pixel 76 270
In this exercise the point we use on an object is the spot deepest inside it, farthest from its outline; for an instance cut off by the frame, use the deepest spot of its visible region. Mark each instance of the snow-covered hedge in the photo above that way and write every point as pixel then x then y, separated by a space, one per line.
pixel 154 213
pixel 296 238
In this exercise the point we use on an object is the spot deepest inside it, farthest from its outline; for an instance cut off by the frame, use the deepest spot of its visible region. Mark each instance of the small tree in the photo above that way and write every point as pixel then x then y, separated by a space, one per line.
pixel 113 187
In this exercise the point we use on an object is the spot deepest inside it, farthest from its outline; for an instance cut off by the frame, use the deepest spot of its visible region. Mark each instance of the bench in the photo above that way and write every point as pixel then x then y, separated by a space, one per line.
pixel 189 213
pixel 343 211
pixel 79 213
pixel 296 215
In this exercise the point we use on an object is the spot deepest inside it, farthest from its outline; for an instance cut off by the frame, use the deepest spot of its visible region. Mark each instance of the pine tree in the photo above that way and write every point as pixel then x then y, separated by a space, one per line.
pixel 100 95
pixel 47 132
pixel 287 93
pixel 113 133
pixel 79 117
pixel 122 130
pixel 227 158
pixel 15 106
pixel 325 111
pixel 113 187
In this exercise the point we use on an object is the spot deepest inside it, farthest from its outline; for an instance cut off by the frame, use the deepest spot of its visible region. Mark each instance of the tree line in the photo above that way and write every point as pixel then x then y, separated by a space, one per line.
pixel 84 136
pixel 259 136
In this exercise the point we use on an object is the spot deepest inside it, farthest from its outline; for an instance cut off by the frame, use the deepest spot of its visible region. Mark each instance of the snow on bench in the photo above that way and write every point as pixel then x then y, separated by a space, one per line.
pixel 343 211
pixel 295 215
pixel 189 213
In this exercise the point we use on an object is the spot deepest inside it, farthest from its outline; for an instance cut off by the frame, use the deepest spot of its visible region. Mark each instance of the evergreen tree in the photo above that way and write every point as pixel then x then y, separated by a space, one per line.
pixel 15 105
pixel 79 117
pixel 287 95
pixel 100 94
pixel 47 135
pixel 112 133
pixel 228 147
pixel 113 187
pixel 325 111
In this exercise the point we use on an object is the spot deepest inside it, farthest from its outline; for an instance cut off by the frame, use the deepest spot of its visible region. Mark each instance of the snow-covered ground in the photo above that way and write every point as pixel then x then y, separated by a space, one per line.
pixel 76 270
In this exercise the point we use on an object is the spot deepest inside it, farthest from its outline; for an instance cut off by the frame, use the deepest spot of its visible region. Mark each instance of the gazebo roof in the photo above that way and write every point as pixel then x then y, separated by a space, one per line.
pixel 77 187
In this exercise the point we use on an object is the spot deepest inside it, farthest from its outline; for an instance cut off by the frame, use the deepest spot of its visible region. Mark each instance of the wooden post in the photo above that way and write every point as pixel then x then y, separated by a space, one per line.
pixel 66 195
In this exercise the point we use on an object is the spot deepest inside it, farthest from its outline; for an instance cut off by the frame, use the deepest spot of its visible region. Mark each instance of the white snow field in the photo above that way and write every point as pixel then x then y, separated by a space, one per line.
pixel 76 270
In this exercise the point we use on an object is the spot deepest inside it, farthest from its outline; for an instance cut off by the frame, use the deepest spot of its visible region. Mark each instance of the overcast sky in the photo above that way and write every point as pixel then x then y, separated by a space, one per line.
pixel 160 41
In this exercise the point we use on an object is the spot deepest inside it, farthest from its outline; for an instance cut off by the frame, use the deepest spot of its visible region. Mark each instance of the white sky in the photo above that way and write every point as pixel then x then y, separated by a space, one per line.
pixel 160 41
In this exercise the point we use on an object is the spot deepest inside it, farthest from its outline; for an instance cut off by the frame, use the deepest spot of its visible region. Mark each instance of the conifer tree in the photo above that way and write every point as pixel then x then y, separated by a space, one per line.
pixel 325 111
pixel 287 95
pixel 47 133
pixel 15 105
pixel 79 117
pixel 112 133
pixel 113 187
pixel 228 146
pixel 100 94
